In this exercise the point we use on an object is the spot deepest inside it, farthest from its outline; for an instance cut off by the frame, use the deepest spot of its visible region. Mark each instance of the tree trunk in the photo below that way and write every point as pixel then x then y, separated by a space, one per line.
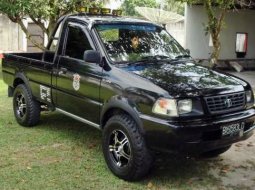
pixel 51 26
pixel 215 22
pixel 216 51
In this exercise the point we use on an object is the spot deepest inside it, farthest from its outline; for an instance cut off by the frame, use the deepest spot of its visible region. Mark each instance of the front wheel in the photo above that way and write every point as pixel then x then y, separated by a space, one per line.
pixel 124 148
pixel 26 109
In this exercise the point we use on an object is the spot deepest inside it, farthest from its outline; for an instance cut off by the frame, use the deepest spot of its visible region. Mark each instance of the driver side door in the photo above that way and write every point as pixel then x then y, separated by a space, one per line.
pixel 78 82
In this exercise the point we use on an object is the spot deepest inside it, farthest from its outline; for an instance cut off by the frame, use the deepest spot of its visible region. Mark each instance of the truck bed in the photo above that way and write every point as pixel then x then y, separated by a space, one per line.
pixel 19 60
pixel 29 68
pixel 37 56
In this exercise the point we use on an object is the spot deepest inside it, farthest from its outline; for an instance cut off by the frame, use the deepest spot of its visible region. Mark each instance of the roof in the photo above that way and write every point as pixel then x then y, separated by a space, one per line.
pixel 93 19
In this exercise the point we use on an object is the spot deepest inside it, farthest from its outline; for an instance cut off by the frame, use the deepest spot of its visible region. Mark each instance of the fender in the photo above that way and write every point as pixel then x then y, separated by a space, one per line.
pixel 122 103
pixel 22 77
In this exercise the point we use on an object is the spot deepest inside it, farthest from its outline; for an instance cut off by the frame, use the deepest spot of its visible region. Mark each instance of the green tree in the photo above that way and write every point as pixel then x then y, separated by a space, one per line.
pixel 128 6
pixel 174 6
pixel 39 11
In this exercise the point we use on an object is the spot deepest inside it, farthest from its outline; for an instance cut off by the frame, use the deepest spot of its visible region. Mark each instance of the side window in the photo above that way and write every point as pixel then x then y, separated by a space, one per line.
pixel 56 37
pixel 77 42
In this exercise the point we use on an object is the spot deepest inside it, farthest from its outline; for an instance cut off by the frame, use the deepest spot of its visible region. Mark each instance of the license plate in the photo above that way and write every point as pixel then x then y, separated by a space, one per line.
pixel 233 129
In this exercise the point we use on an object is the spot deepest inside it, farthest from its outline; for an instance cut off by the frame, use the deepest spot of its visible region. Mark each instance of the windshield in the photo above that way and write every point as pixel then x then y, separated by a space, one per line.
pixel 133 43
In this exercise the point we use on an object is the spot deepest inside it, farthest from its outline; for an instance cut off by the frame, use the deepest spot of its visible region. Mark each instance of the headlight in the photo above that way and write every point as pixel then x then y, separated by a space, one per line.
pixel 171 107
pixel 248 96
pixel 165 107
pixel 184 106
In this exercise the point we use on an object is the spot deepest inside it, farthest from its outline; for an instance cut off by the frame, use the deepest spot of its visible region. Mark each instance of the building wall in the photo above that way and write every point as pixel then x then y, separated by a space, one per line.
pixel 11 36
pixel 13 39
pixel 198 43
pixel 177 31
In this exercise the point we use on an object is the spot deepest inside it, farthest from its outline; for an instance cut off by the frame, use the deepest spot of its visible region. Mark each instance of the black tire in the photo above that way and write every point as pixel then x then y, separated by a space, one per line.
pixel 140 159
pixel 216 152
pixel 26 109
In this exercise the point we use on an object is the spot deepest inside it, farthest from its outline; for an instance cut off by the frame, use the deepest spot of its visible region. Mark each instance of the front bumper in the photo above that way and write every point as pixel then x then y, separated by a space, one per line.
pixel 195 136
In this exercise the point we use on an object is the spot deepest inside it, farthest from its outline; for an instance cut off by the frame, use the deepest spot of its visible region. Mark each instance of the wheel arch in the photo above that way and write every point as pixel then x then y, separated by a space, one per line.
pixel 120 105
pixel 20 78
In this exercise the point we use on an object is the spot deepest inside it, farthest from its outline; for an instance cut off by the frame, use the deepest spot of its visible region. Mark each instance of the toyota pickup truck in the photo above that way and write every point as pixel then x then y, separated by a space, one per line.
pixel 130 79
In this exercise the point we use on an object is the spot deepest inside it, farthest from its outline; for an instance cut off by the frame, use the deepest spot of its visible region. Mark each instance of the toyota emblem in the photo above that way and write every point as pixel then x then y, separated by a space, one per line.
pixel 228 103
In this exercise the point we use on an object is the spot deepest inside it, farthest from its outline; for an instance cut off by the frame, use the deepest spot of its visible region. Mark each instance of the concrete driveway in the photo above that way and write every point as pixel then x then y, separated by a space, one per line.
pixel 238 164
pixel 246 75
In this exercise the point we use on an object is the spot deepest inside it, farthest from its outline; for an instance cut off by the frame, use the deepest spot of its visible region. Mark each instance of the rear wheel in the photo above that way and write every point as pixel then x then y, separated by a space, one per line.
pixel 124 148
pixel 26 109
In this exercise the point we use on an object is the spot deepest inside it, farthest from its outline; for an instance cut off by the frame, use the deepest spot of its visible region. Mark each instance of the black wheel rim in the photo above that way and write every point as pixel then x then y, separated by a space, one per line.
pixel 119 148
pixel 21 107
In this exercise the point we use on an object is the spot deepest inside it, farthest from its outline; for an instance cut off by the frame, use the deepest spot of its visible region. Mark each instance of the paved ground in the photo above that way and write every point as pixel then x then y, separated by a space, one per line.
pixel 238 164
pixel 235 169
pixel 246 75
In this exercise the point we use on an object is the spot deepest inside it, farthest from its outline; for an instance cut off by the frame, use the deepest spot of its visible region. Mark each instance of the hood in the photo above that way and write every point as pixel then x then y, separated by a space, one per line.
pixel 187 78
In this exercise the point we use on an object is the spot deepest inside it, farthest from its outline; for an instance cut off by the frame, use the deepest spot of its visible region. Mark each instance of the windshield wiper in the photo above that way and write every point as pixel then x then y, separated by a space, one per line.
pixel 182 56
pixel 150 59
pixel 155 57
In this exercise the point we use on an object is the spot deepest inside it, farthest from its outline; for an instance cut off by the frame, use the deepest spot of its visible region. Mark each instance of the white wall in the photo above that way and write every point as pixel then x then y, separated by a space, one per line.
pixel 236 21
pixel 11 36
pixel 177 31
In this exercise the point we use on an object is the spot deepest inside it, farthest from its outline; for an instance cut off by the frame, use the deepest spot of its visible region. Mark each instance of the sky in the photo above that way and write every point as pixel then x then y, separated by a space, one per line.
pixel 114 4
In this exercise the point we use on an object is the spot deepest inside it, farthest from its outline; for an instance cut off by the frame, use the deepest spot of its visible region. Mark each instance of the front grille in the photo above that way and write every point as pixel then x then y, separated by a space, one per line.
pixel 225 103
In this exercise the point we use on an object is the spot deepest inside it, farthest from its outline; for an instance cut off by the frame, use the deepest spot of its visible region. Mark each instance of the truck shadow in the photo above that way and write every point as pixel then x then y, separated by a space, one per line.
pixel 76 131
pixel 168 168
pixel 181 171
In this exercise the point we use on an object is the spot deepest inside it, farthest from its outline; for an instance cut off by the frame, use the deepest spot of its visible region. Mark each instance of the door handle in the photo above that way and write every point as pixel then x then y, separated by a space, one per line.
pixel 62 71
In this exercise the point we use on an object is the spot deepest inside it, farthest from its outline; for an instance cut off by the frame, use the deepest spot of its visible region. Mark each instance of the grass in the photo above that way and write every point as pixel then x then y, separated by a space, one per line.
pixel 61 153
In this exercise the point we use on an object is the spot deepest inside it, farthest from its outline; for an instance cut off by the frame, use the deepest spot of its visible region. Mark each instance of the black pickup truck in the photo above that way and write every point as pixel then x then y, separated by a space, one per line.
pixel 130 79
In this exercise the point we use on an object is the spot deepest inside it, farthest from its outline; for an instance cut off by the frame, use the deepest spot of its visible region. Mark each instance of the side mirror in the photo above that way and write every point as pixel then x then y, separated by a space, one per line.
pixel 188 51
pixel 92 56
